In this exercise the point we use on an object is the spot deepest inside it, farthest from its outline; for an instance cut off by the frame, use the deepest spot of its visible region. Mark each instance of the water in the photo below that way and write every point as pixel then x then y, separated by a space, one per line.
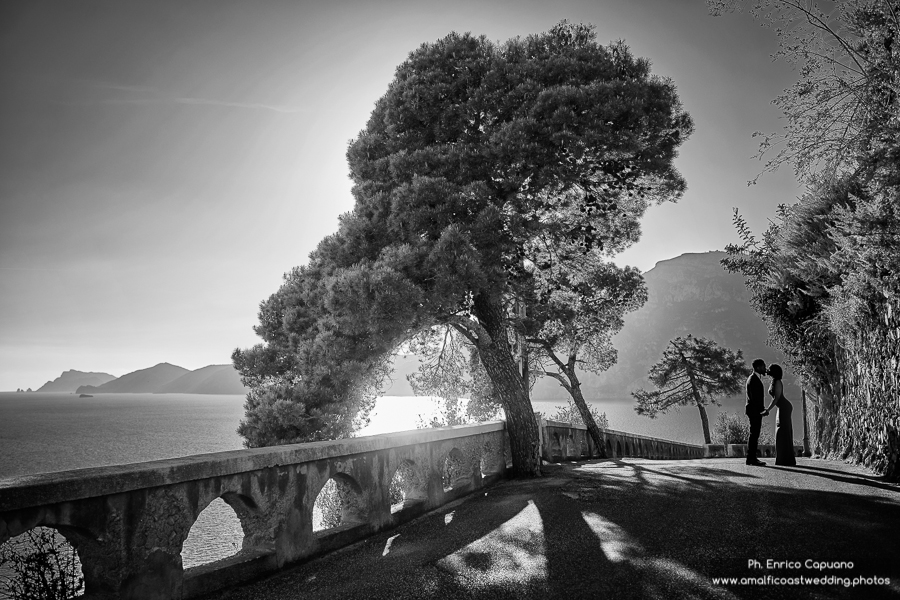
pixel 45 432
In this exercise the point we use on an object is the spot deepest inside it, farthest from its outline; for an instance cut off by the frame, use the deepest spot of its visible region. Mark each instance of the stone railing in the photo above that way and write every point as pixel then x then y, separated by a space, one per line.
pixel 128 523
pixel 564 441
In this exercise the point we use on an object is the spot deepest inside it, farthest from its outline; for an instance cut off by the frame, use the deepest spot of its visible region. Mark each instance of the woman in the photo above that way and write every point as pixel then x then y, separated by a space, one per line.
pixel 784 431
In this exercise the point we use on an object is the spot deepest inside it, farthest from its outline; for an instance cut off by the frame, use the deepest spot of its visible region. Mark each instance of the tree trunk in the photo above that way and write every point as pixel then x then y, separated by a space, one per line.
pixel 806 451
pixel 586 416
pixel 705 420
pixel 496 356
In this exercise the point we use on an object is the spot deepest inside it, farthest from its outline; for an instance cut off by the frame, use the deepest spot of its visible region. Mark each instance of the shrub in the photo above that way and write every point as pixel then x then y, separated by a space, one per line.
pixel 39 565
pixel 731 429
pixel 735 429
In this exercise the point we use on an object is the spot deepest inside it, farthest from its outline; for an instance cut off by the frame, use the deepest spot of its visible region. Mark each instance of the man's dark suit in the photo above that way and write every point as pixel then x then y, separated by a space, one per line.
pixel 756 404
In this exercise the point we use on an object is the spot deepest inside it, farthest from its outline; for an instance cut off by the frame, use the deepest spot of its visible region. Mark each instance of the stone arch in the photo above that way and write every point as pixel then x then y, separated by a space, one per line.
pixel 220 530
pixel 339 503
pixel 409 485
pixel 618 449
pixel 608 448
pixel 571 444
pixel 584 448
pixel 491 462
pixel 455 471
pixel 556 446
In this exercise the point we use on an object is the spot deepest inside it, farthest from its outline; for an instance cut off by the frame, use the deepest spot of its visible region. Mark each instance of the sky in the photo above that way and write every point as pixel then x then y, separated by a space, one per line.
pixel 163 163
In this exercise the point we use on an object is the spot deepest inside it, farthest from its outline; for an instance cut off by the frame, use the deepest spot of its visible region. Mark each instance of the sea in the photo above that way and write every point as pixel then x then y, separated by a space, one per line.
pixel 50 432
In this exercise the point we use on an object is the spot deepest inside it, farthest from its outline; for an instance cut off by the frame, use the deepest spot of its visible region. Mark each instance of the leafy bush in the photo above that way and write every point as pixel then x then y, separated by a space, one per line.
pixel 40 565
pixel 735 429
pixel 731 429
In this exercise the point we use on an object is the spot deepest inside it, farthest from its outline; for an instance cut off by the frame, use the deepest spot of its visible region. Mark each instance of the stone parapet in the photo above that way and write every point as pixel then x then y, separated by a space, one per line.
pixel 128 523
pixel 564 441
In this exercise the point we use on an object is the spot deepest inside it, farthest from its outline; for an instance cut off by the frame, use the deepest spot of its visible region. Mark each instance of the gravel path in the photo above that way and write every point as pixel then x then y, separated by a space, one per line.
pixel 630 528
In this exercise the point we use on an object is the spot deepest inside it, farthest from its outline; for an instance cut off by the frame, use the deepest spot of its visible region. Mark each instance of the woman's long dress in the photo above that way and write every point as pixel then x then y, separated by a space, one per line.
pixel 784 431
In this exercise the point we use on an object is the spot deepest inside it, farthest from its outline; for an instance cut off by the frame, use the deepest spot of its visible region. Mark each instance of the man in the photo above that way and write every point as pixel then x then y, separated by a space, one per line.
pixel 756 406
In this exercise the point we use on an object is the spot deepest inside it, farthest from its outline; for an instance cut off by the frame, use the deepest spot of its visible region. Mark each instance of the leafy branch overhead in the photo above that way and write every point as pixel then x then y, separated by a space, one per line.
pixel 844 105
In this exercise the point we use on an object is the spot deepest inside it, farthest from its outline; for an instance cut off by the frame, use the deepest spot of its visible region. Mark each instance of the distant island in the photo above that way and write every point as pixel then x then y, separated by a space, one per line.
pixel 163 378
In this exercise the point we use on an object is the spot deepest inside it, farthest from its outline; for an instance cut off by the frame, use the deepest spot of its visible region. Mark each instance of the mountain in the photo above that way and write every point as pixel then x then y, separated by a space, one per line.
pixel 142 381
pixel 214 379
pixel 689 294
pixel 71 380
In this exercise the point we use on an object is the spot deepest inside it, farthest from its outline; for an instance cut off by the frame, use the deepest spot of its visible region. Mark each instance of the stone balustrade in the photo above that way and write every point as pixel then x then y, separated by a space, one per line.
pixel 564 441
pixel 128 523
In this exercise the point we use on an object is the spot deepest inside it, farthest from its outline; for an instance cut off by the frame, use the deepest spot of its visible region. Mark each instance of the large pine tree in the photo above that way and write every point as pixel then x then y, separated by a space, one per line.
pixel 476 152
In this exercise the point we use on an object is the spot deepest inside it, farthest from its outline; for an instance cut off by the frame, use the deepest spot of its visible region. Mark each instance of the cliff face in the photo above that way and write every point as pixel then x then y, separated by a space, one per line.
pixel 689 294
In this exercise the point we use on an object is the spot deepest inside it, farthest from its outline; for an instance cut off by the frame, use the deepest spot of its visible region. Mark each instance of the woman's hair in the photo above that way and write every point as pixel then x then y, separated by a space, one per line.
pixel 775 372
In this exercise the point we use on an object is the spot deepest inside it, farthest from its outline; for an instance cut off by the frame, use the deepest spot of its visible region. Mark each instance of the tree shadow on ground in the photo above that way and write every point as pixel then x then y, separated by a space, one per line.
pixel 842 476
pixel 623 529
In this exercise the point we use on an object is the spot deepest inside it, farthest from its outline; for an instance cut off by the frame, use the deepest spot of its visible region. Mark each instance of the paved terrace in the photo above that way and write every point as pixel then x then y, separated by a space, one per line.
pixel 624 528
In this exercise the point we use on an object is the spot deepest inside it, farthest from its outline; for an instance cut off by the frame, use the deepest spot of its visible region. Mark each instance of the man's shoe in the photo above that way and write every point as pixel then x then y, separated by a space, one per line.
pixel 756 463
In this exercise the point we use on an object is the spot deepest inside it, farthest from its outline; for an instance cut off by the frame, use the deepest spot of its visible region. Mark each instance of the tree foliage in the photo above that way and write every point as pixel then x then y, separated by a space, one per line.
pixel 476 153
pixel 451 370
pixel 692 371
pixel 572 319
pixel 824 276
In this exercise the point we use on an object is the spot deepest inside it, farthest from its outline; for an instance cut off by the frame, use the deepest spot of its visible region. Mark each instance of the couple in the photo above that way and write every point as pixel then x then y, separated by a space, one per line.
pixel 784 432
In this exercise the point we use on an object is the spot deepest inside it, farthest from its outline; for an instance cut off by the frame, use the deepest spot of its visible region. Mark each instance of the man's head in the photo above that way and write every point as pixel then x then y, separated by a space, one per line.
pixel 759 366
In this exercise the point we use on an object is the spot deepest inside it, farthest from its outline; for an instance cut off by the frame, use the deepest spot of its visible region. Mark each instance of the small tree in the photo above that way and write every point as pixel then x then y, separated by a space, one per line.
pixel 573 317
pixel 692 371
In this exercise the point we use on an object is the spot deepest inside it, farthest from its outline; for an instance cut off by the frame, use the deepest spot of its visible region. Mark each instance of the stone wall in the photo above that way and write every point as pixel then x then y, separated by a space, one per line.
pixel 128 523
pixel 564 441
